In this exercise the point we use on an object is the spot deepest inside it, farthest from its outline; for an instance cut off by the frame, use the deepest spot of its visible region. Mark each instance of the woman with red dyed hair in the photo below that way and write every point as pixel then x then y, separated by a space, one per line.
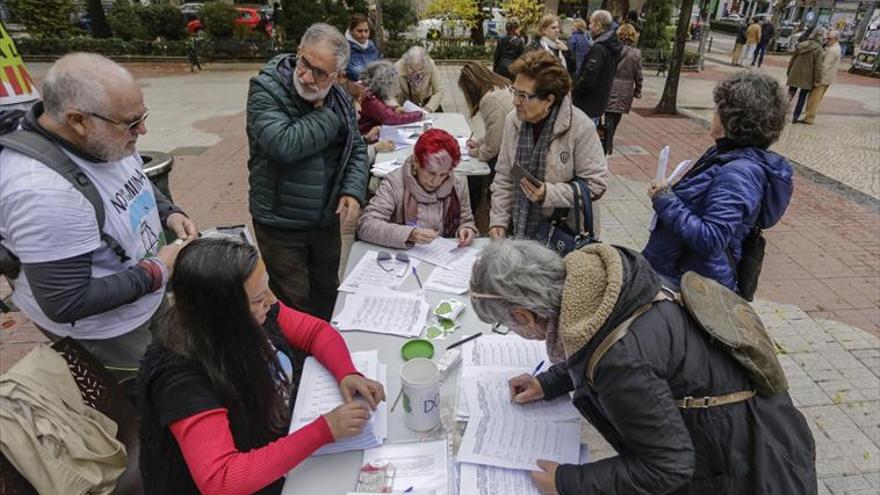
pixel 421 200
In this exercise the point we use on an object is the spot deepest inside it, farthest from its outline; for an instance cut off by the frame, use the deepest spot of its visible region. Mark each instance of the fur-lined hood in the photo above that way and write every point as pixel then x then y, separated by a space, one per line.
pixel 604 284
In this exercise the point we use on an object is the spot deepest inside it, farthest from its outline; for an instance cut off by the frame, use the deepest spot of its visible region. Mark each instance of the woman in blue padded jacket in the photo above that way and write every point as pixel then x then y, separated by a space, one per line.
pixel 736 186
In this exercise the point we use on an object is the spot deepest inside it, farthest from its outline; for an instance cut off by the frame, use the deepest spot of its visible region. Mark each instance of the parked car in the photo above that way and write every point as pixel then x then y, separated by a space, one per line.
pixel 246 16
pixel 734 18
pixel 784 40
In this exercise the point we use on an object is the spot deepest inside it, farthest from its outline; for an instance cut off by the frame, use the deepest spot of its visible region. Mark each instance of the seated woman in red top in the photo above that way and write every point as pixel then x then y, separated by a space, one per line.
pixel 218 383
pixel 380 80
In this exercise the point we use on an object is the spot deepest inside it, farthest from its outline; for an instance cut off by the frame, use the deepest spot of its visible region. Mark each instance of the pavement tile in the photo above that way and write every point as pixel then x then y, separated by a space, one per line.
pixel 847 484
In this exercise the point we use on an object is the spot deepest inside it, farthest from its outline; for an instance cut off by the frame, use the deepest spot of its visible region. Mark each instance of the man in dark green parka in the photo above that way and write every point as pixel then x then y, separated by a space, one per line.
pixel 308 168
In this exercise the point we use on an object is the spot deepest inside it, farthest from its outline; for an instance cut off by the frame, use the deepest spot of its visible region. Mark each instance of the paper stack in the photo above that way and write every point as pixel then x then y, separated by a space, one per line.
pixel 319 393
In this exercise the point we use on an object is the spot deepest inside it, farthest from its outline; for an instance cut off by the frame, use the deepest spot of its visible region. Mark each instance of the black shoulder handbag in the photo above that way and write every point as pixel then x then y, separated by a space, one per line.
pixel 556 234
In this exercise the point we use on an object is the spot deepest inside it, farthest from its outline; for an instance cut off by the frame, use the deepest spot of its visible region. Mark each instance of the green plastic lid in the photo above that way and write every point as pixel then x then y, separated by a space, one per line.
pixel 417 348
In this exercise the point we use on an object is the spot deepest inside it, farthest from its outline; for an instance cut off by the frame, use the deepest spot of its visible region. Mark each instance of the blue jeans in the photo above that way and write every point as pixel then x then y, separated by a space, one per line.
pixel 759 54
pixel 802 99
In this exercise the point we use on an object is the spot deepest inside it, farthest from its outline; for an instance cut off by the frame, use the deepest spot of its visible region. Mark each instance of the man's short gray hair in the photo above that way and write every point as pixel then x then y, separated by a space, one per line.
pixel 77 81
pixel 818 34
pixel 833 34
pixel 603 17
pixel 381 78
pixel 416 55
pixel 751 107
pixel 523 274
pixel 325 33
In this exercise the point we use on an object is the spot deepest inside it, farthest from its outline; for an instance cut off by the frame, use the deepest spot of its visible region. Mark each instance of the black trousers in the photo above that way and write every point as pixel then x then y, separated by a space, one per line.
pixel 303 266
pixel 612 120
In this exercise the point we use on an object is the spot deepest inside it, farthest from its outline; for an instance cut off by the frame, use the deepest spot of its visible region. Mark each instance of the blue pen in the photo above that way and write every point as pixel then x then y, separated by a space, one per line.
pixel 408 490
pixel 538 368
pixel 420 280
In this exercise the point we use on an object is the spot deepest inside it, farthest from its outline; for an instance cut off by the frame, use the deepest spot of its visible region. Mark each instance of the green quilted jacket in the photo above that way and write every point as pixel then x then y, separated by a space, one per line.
pixel 302 159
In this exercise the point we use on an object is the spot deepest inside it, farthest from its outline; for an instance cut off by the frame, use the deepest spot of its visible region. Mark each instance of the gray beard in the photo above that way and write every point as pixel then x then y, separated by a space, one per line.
pixel 309 95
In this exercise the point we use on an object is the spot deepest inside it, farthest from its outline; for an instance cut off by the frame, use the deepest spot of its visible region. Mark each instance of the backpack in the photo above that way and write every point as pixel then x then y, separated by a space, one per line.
pixel 748 270
pixel 730 322
pixel 40 148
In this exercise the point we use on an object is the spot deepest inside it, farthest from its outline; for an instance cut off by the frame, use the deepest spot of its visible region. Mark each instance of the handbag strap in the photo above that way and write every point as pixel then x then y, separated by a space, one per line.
pixel 587 207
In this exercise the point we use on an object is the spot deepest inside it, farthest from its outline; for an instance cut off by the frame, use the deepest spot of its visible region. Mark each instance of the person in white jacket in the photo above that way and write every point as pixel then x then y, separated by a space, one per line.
pixel 830 65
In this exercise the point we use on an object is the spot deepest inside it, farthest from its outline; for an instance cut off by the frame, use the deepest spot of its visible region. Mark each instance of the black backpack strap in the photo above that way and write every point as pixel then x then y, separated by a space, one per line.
pixel 42 149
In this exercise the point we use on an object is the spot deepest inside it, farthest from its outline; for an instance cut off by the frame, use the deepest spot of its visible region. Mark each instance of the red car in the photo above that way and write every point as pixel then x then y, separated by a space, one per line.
pixel 246 16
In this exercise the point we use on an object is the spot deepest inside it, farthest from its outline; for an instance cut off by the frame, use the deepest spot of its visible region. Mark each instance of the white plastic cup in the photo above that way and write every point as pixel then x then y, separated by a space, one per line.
pixel 420 379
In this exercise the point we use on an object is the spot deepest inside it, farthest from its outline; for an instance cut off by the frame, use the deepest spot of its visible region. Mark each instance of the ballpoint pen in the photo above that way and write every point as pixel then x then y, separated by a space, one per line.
pixel 418 280
pixel 462 341
pixel 538 368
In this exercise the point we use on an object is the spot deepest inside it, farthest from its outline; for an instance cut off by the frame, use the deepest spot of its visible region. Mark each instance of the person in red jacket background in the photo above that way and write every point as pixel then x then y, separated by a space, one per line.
pixel 380 81
pixel 218 383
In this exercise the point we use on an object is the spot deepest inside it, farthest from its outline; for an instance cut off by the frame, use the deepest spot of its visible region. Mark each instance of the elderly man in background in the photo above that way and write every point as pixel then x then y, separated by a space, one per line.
pixel 805 69
pixel 830 66
pixel 592 87
pixel 753 37
pixel 308 168
pixel 101 285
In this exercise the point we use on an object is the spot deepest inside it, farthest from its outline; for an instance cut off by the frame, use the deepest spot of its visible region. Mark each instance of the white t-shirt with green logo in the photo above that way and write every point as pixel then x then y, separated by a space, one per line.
pixel 43 218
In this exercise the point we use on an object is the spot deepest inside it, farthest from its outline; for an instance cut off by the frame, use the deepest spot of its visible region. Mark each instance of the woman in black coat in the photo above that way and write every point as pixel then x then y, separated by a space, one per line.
pixel 752 445
pixel 508 49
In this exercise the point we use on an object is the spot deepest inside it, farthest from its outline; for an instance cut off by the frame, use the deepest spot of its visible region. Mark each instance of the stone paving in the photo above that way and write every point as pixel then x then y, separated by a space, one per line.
pixel 820 278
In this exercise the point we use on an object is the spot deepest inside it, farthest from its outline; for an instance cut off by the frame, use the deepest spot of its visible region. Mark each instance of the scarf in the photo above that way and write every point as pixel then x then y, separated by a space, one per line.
pixel 362 46
pixel 531 156
pixel 414 193
pixel 553 48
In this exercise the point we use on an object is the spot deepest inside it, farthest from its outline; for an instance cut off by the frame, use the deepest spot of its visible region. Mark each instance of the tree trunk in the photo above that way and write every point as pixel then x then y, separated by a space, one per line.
pixel 667 103
pixel 100 27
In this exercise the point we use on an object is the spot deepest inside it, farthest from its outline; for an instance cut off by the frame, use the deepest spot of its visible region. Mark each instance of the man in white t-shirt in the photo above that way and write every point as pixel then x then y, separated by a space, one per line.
pixel 72 283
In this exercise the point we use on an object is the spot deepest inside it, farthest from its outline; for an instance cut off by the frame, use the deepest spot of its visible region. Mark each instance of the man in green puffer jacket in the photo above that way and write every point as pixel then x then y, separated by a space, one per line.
pixel 308 168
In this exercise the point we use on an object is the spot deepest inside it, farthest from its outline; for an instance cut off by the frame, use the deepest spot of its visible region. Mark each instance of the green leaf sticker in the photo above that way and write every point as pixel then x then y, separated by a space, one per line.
pixel 433 332
pixel 444 308
pixel 445 324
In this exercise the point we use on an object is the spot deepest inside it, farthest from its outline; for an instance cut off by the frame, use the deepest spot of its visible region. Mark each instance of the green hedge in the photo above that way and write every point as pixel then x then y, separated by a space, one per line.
pixel 440 50
pixel 210 49
pixel 653 57
pixel 724 27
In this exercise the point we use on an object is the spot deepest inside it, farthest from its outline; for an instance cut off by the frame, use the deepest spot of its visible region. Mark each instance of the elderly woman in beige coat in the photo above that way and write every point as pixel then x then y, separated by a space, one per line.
pixel 421 200
pixel 552 140
pixel 419 80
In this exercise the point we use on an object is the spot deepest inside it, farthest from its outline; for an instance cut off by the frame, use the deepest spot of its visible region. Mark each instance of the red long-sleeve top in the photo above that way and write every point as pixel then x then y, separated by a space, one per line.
pixel 205 438
pixel 375 112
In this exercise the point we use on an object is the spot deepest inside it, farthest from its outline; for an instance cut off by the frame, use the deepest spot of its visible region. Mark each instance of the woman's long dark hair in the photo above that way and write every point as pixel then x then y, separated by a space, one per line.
pixel 211 324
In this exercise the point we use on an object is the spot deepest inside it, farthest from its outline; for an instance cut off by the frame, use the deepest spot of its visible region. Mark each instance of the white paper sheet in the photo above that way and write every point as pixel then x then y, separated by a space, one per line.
pixel 490 480
pixel 462 409
pixel 319 393
pixel 662 161
pixel 409 106
pixel 368 273
pixel 518 444
pixel 504 350
pixel 679 171
pixel 488 394
pixel 383 311
pixel 441 252
pixel 420 465
pixel 455 278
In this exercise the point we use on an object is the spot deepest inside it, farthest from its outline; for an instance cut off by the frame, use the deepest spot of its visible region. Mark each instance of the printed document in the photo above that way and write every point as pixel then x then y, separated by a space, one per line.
pixel 489 395
pixel 420 465
pixel 383 311
pixel 490 480
pixel 505 350
pixel 518 444
pixel 441 252
pixel 454 278
pixel 368 272
pixel 319 393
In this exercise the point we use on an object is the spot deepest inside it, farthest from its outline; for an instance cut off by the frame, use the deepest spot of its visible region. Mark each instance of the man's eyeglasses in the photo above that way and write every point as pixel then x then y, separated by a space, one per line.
pixel 519 94
pixel 497 327
pixel 500 328
pixel 127 126
pixel 320 75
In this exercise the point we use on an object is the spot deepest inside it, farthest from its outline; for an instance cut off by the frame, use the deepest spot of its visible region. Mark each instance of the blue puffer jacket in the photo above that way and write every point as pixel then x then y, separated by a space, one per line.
pixel 360 58
pixel 712 209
